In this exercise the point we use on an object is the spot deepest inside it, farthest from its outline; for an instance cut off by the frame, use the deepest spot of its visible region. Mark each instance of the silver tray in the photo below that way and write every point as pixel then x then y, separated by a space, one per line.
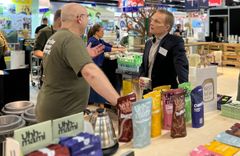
pixel 18 105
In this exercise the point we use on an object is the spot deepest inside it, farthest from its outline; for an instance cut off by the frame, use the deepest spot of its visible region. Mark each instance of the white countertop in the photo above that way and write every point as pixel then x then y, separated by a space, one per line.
pixel 167 146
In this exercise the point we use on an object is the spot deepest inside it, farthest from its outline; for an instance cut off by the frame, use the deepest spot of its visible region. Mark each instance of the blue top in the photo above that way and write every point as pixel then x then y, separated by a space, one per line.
pixel 108 48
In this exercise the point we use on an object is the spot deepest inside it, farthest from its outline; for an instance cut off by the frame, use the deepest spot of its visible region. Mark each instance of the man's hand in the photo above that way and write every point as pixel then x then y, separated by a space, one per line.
pixel 95 51
pixel 144 83
pixel 38 53
pixel 141 83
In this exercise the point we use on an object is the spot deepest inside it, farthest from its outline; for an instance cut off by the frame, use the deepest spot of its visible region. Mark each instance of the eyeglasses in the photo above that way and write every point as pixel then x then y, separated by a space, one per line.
pixel 81 15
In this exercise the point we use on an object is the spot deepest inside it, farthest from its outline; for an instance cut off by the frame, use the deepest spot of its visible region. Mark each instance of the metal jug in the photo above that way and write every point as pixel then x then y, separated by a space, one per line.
pixel 102 126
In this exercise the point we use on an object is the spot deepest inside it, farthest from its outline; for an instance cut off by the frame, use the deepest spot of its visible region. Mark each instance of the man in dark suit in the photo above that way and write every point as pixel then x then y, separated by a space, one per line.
pixel 164 59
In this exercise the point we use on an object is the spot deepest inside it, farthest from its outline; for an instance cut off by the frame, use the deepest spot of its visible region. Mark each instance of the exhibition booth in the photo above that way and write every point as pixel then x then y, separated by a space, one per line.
pixel 193 119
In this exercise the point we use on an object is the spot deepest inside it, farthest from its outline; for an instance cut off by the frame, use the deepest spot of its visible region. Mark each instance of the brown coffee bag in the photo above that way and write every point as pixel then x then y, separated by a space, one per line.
pixel 124 106
pixel 178 128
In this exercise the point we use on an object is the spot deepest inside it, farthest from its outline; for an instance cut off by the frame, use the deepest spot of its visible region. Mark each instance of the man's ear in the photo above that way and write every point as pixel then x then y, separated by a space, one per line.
pixel 168 27
pixel 80 21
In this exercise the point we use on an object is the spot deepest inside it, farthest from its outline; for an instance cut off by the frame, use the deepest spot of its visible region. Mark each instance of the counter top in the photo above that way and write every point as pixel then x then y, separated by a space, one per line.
pixel 167 146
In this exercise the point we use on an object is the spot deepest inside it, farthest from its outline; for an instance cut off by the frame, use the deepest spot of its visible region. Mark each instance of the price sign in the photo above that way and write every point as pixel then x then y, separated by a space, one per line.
pixel 34 137
pixel 68 126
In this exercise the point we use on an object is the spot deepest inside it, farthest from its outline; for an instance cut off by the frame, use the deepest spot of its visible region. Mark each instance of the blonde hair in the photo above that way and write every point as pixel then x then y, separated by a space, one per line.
pixel 169 17
pixel 5 44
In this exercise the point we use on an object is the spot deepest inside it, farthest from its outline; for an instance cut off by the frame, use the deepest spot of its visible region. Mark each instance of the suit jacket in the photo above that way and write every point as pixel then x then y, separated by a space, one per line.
pixel 170 69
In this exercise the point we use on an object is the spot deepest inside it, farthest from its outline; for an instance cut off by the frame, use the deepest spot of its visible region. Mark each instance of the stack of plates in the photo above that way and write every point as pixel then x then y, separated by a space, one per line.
pixel 29 116
pixel 17 107
pixel 9 123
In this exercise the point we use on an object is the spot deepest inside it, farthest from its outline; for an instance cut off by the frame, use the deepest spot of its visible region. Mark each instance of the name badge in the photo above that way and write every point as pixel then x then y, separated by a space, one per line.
pixel 162 51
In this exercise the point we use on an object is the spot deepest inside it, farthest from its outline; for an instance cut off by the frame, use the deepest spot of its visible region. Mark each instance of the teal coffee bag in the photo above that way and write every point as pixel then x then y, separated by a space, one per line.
pixel 141 118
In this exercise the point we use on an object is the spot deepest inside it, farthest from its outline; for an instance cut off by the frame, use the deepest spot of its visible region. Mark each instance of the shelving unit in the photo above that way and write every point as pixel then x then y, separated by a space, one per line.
pixel 231 54
pixel 215 47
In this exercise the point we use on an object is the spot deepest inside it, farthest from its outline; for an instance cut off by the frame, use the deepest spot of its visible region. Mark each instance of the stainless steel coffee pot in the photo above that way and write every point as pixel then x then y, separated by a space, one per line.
pixel 102 126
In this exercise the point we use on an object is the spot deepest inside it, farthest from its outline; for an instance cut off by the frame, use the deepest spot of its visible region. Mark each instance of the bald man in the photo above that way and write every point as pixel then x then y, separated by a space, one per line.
pixel 69 70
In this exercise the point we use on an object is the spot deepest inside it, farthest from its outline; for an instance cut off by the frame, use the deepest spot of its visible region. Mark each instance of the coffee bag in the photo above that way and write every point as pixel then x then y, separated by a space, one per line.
pixel 124 107
pixel 141 116
pixel 178 128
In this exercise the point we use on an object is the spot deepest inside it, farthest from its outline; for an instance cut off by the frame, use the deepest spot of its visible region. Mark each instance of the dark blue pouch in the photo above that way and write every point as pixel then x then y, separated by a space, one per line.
pixel 197 107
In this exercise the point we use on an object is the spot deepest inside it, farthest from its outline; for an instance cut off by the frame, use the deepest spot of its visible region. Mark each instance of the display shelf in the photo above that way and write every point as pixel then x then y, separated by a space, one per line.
pixel 231 47
pixel 199 47
pixel 215 47
pixel 231 54
pixel 231 63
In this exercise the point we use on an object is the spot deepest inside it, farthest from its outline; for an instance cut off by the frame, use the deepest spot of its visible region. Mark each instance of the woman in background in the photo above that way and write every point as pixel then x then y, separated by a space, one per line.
pixel 108 66
pixel 94 37
pixel 3 50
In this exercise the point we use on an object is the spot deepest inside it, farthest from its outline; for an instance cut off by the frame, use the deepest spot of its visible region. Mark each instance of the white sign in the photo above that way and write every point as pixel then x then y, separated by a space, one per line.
pixel 207 78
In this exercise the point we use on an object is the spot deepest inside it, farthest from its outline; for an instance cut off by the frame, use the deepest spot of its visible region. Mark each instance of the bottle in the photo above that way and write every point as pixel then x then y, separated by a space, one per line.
pixel 235 38
pixel 220 37
pixel 229 38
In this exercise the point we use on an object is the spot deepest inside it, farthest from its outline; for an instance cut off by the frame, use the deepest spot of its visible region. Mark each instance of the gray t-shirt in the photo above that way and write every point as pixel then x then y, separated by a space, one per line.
pixel 64 91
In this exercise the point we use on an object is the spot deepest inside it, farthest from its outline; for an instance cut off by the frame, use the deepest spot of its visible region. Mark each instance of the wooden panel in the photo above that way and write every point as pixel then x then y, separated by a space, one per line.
pixel 231 55
pixel 233 63
pixel 231 47
pixel 215 47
